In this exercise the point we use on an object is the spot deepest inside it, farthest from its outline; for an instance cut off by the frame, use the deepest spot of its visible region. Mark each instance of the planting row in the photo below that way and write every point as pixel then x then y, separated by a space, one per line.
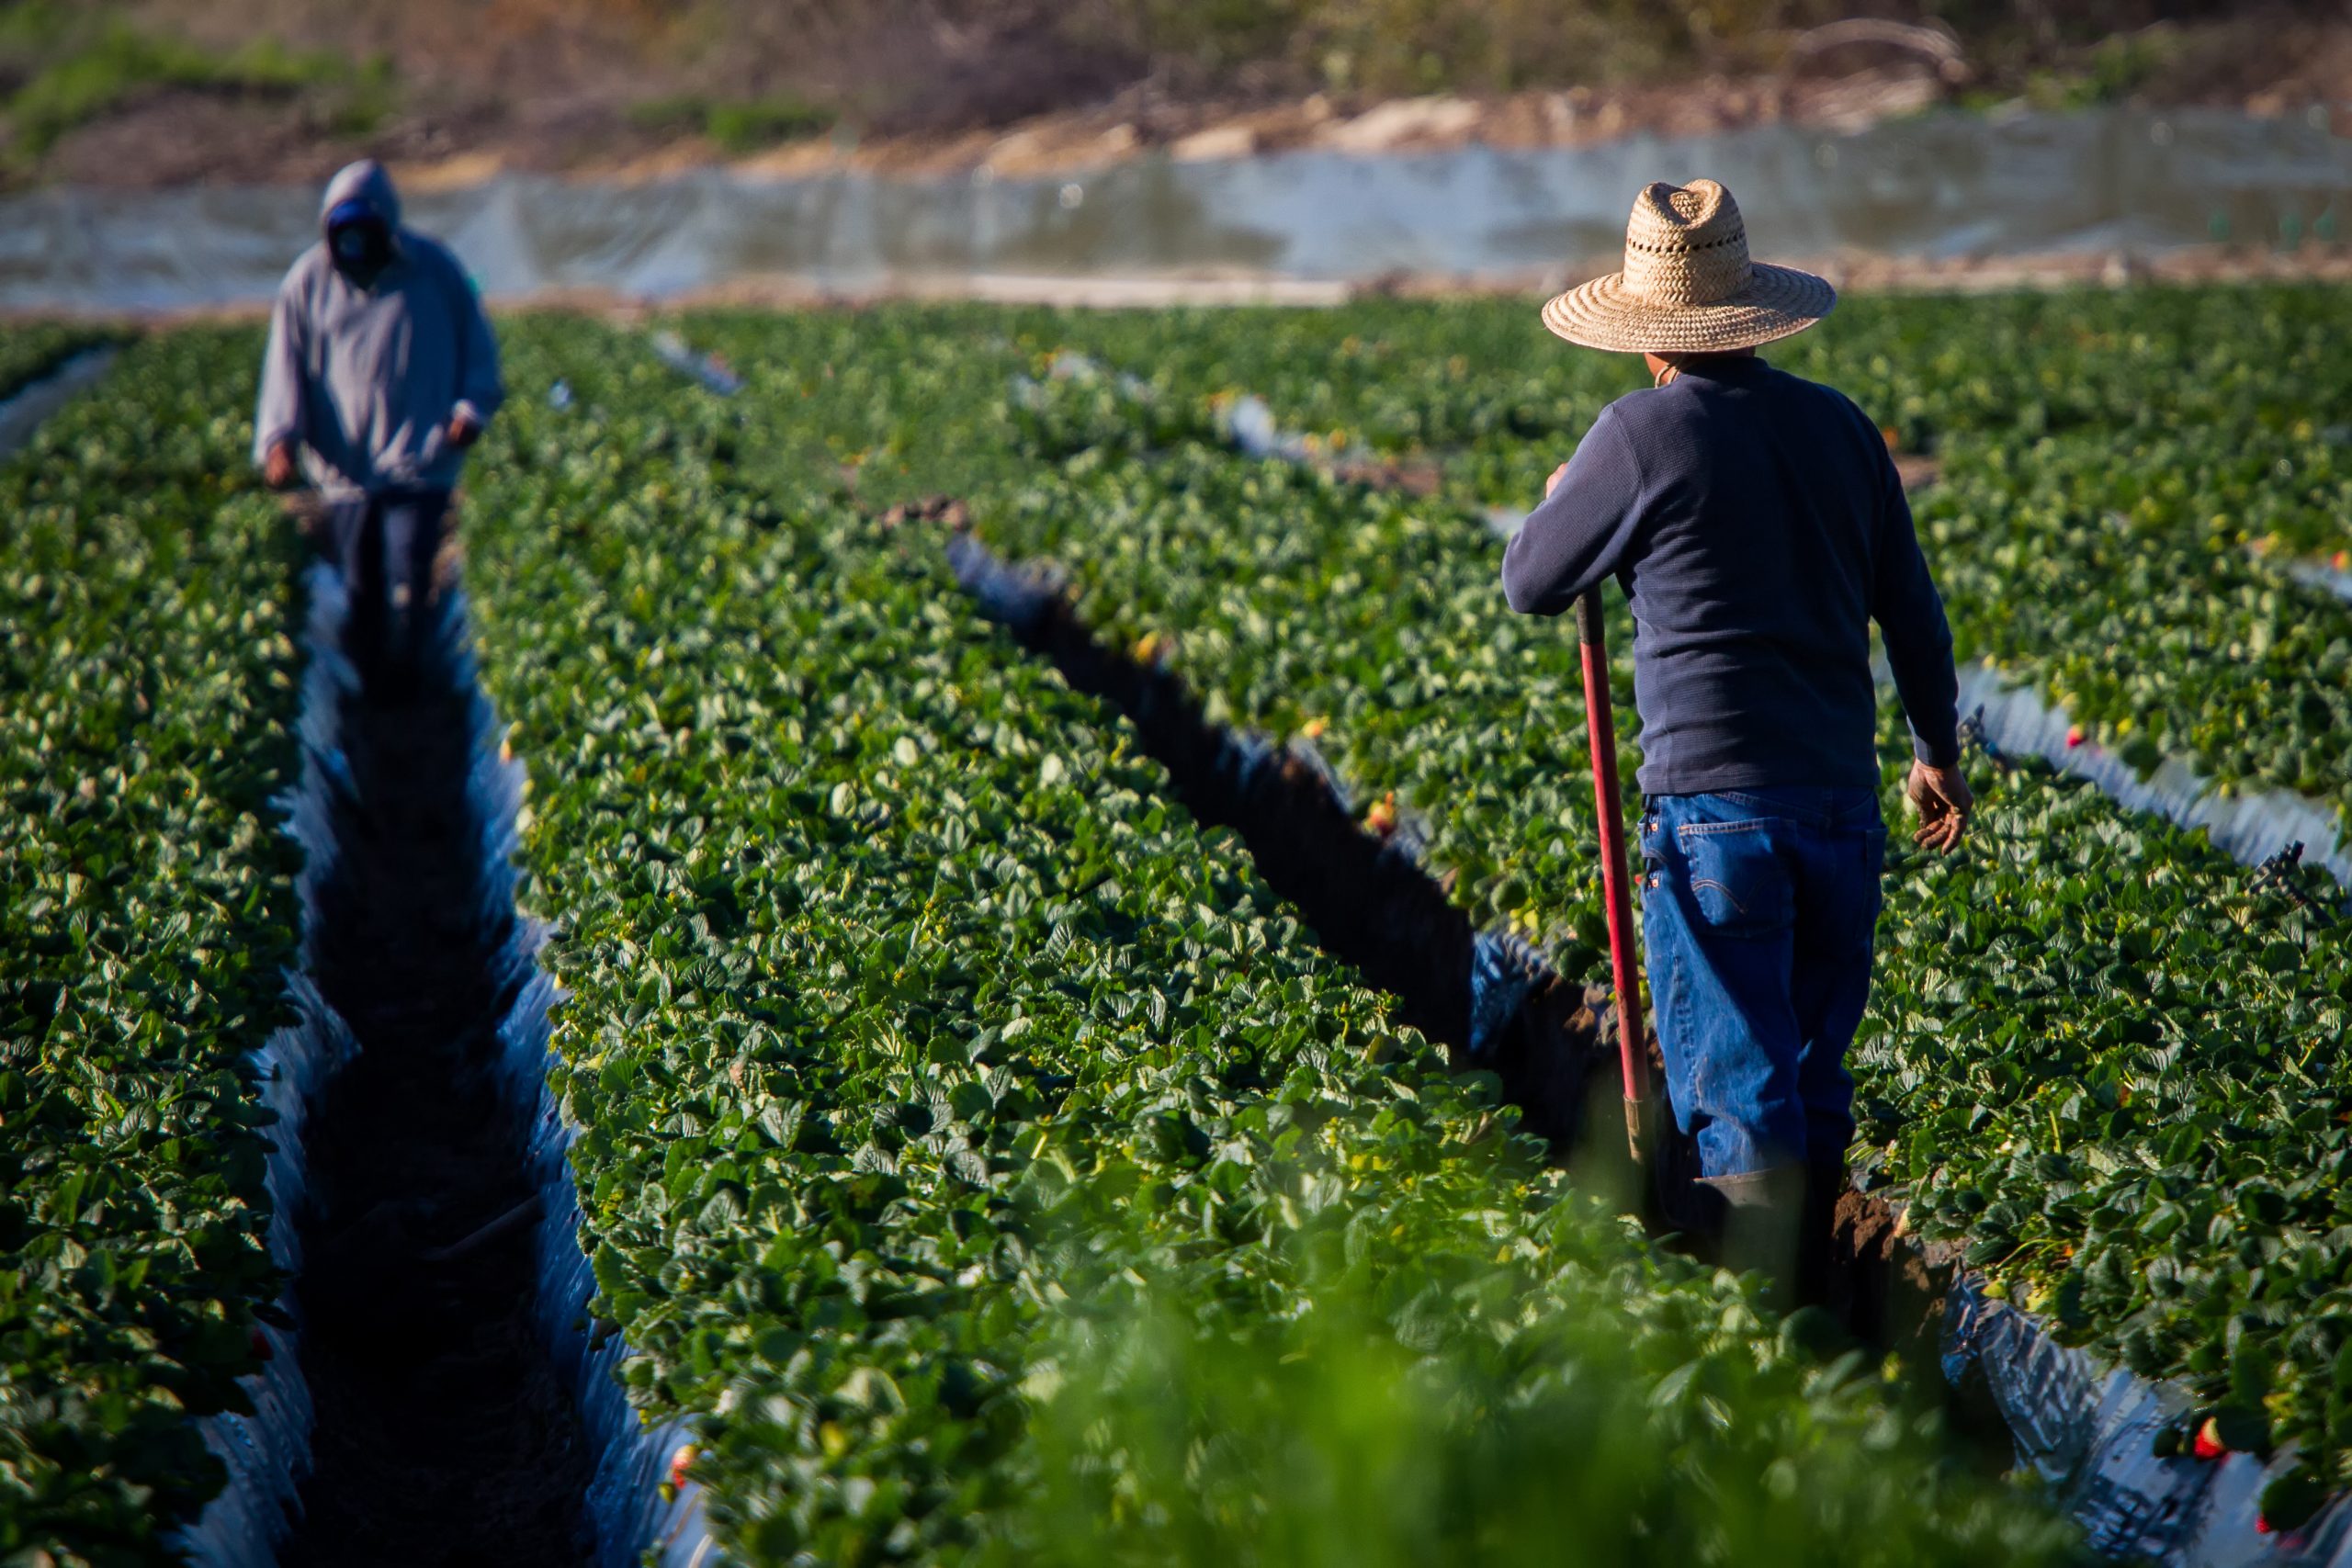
pixel 1309 610
pixel 962 1127
pixel 2112 572
pixel 949 1098
pixel 2094 1054
pixel 30 350
pixel 1477 382
pixel 2128 481
pixel 147 916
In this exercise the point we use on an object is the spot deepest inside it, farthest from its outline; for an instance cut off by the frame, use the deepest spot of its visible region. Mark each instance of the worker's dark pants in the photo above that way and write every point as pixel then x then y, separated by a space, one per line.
pixel 1759 909
pixel 385 545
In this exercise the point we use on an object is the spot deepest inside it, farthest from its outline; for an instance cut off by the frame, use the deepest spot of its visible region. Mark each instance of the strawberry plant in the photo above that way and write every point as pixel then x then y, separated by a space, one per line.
pixel 2116 573
pixel 2127 480
pixel 2088 1032
pixel 147 916
pixel 2098 1059
pixel 913 1031
pixel 947 1097
pixel 1479 384
pixel 1314 1436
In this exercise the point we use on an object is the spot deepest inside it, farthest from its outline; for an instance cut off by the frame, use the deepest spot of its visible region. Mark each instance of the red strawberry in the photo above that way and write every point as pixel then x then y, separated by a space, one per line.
pixel 2073 735
pixel 2208 1444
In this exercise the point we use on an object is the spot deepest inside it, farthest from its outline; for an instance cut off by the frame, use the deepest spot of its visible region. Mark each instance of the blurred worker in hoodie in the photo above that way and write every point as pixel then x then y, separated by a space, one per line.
pixel 380 374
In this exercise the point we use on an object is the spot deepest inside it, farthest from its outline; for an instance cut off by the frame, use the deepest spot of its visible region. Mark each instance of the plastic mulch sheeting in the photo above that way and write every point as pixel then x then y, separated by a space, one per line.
pixel 22 410
pixel 2086 1428
pixel 2250 825
pixel 269 1453
pixel 2325 577
pixel 2090 1431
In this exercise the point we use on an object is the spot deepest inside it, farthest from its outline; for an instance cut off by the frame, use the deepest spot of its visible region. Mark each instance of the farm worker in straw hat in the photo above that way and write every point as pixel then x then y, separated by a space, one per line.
pixel 380 374
pixel 1757 526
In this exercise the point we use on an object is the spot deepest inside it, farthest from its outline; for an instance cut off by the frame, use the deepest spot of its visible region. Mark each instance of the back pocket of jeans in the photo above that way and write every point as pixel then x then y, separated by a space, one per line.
pixel 1735 879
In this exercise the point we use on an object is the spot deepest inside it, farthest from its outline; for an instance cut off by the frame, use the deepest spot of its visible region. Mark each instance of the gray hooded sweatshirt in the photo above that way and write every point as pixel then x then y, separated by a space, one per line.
pixel 365 381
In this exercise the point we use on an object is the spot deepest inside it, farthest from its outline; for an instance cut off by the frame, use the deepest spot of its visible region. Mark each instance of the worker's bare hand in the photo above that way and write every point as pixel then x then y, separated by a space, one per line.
pixel 464 429
pixel 1553 482
pixel 1942 799
pixel 278 466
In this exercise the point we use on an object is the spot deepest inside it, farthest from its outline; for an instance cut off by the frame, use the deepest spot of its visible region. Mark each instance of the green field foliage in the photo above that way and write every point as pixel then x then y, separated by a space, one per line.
pixel 2088 1034
pixel 972 1148
pixel 147 913
pixel 922 1044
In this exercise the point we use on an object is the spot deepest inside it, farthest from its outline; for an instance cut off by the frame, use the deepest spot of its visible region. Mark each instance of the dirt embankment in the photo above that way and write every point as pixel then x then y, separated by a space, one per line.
pixel 469 90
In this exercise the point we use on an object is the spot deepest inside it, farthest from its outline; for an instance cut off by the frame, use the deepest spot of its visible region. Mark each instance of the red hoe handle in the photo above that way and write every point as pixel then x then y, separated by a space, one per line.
pixel 1615 884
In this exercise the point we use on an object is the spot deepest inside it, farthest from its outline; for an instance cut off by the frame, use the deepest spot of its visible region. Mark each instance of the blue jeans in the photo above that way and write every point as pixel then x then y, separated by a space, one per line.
pixel 1758 909
pixel 385 545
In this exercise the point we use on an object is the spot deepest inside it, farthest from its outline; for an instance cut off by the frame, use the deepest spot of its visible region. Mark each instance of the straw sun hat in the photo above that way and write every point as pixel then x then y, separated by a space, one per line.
pixel 1688 286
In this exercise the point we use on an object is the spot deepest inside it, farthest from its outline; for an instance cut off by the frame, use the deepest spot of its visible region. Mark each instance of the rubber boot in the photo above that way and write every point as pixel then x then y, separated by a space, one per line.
pixel 1763 1213
pixel 1821 1281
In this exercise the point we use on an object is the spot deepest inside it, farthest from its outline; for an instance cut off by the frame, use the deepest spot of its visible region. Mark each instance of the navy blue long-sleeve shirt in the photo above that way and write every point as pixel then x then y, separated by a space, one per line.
pixel 1756 525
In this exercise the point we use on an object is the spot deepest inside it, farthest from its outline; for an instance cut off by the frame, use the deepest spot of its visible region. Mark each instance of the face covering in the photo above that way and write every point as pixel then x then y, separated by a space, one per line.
pixel 362 248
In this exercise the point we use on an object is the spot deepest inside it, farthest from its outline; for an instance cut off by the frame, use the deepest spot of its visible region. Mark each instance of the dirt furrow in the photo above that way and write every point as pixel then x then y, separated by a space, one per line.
pixel 445 1434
